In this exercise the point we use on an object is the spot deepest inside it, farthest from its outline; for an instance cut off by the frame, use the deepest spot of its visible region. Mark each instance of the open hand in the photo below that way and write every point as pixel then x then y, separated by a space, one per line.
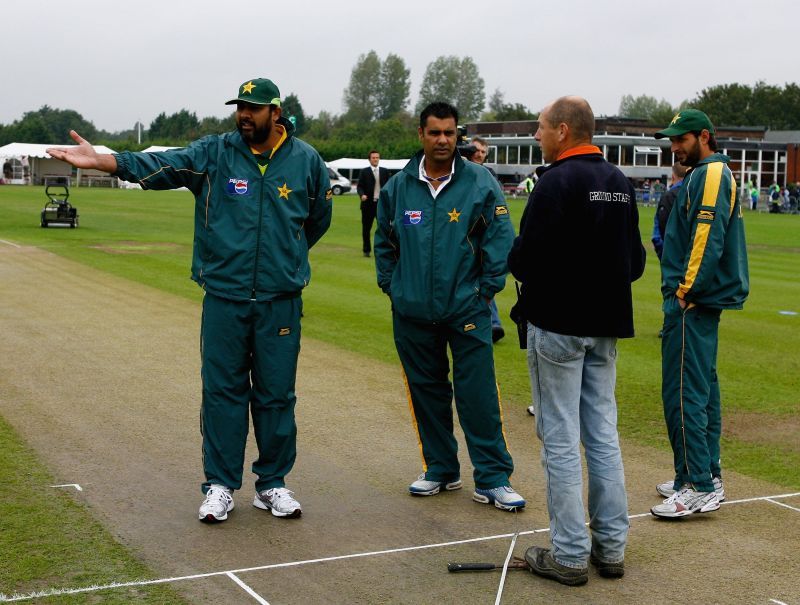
pixel 84 155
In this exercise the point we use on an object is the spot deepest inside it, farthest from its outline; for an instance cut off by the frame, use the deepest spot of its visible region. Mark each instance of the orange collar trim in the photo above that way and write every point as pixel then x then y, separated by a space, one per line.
pixel 579 150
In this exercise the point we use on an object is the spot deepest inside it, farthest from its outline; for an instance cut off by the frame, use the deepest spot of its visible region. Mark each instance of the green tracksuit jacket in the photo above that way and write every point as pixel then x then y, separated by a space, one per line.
pixel 252 231
pixel 705 259
pixel 436 257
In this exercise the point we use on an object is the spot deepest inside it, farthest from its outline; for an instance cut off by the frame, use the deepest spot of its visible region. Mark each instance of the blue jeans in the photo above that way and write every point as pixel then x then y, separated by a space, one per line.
pixel 573 379
pixel 495 314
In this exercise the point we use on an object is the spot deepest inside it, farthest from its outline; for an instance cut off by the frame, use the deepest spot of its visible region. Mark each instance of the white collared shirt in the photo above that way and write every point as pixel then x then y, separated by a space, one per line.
pixel 444 180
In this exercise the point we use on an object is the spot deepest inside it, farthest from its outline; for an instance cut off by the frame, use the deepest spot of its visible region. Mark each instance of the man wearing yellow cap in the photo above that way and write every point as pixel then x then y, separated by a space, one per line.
pixel 262 199
pixel 703 271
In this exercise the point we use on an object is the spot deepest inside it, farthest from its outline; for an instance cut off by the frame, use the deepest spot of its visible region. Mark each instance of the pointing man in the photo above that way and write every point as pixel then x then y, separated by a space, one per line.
pixel 262 199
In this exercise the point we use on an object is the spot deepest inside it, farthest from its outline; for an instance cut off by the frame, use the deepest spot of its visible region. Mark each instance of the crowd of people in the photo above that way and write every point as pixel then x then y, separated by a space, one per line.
pixel 444 244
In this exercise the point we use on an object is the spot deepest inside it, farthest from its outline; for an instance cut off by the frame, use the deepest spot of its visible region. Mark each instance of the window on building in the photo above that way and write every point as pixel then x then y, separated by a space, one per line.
pixel 646 156
pixel 502 151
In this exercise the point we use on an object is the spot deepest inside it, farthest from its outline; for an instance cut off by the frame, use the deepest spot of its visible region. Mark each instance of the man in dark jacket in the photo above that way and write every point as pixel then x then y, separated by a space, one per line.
pixel 703 271
pixel 440 251
pixel 577 252
pixel 664 208
pixel 262 199
pixel 370 181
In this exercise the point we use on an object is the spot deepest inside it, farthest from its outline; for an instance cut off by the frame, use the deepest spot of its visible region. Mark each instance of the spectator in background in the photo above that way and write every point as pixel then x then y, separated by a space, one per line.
pixel 665 207
pixel 370 180
pixel 479 157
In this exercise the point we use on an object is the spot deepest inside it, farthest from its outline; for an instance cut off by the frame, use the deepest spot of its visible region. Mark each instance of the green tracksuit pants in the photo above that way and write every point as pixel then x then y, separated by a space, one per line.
pixel 422 348
pixel 249 356
pixel 690 392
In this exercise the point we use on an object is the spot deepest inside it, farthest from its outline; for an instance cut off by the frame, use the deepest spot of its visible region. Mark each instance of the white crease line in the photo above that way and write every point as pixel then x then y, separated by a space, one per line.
pixel 3 241
pixel 505 568
pixel 783 505
pixel 75 485
pixel 247 589
pixel 59 591
pixel 777 602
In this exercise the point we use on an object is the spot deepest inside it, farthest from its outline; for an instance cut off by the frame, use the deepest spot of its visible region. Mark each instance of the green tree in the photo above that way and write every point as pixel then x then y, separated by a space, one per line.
pixel 291 107
pixel 646 107
pixel 455 81
pixel 322 127
pixel 178 128
pixel 48 125
pixel 726 103
pixel 361 95
pixel 393 87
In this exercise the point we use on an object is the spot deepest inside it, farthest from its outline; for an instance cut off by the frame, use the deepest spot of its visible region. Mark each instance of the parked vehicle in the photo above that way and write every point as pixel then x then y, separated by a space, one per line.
pixel 339 184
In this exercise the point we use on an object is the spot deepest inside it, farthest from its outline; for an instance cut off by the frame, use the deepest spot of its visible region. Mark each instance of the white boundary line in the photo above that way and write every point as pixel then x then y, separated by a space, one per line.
pixel 3 241
pixel 247 589
pixel 67 591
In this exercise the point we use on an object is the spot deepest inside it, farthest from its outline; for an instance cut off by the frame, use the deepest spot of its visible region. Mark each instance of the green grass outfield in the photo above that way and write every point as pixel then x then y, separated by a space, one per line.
pixel 147 237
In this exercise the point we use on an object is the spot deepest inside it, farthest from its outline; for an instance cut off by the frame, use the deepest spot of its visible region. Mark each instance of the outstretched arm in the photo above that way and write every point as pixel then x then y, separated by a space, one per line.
pixel 84 155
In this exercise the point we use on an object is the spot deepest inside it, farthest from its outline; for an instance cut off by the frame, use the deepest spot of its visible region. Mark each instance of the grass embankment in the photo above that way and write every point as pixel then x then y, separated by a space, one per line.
pixel 147 237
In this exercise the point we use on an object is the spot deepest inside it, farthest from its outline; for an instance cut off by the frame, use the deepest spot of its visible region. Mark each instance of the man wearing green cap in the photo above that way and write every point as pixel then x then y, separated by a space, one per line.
pixel 262 199
pixel 703 271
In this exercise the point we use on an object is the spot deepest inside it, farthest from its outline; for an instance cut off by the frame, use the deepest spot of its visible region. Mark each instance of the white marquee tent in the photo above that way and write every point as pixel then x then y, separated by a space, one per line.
pixel 41 166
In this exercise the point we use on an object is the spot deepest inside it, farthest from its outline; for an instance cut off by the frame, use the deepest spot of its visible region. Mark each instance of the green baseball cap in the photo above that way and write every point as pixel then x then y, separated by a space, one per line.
pixel 258 91
pixel 686 120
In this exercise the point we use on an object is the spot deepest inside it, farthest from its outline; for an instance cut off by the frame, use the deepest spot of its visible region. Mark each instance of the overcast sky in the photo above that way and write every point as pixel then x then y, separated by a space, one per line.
pixel 119 62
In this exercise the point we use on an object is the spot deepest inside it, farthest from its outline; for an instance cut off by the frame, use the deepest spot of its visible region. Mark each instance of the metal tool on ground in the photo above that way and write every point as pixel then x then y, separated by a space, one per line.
pixel 515 563
pixel 58 210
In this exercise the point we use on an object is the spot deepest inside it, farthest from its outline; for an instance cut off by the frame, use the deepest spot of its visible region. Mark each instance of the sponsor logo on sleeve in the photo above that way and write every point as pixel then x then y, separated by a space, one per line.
pixel 705 215
pixel 499 210
pixel 469 327
pixel 412 217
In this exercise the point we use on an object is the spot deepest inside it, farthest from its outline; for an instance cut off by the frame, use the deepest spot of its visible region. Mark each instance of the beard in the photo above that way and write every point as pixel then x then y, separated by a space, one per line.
pixel 692 155
pixel 258 134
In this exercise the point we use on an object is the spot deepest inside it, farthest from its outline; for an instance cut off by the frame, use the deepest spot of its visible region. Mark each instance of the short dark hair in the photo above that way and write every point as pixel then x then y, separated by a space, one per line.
pixel 371 151
pixel 712 140
pixel 679 170
pixel 438 109
pixel 575 113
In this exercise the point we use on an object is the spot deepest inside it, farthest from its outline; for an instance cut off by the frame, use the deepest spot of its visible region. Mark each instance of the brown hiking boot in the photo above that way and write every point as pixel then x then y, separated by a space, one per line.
pixel 607 569
pixel 543 564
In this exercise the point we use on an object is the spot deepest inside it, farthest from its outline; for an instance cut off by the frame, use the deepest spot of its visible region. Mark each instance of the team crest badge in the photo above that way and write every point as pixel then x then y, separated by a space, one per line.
pixel 412 217
pixel 237 187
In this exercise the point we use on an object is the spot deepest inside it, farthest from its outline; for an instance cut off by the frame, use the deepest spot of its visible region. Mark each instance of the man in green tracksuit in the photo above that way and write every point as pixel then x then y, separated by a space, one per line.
pixel 262 199
pixel 703 271
pixel 440 250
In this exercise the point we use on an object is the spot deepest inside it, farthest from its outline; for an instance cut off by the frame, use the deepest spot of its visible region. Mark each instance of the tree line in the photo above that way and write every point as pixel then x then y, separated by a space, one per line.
pixel 376 111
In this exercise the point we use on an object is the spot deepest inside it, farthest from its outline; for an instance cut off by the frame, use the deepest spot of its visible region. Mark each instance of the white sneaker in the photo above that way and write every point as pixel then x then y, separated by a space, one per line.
pixel 279 500
pixel 503 497
pixel 217 505
pixel 686 502
pixel 666 490
pixel 424 487
pixel 531 410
